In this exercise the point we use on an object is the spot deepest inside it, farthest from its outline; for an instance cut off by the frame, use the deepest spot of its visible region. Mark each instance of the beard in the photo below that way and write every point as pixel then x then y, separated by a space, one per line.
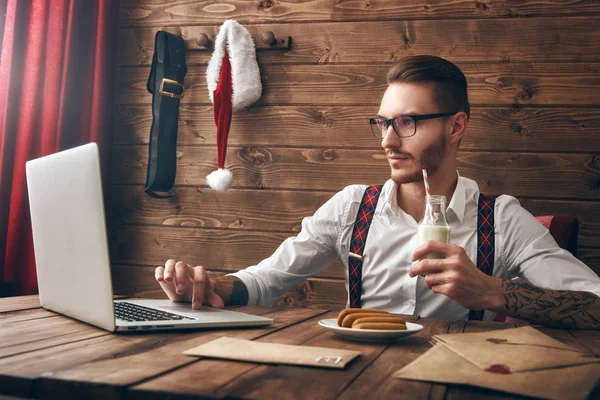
pixel 431 159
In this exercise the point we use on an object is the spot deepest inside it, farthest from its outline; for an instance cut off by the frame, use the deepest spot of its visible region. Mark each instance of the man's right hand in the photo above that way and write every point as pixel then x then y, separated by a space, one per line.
pixel 184 283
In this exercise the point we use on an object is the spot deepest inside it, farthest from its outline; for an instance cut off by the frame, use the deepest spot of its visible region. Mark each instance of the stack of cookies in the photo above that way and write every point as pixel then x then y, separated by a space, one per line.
pixel 367 318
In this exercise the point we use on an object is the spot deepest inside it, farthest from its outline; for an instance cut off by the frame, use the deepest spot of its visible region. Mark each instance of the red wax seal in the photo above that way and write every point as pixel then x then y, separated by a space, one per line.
pixel 498 369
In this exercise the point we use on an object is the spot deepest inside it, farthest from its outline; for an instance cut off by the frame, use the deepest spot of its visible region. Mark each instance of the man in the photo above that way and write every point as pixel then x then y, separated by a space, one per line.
pixel 422 118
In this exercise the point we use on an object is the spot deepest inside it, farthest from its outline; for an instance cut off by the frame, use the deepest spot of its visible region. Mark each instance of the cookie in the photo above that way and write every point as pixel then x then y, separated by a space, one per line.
pixel 385 319
pixel 384 326
pixel 348 311
pixel 350 318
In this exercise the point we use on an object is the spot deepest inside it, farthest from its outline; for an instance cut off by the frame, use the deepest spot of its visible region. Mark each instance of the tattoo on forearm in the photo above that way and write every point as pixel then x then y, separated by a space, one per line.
pixel 562 308
pixel 232 290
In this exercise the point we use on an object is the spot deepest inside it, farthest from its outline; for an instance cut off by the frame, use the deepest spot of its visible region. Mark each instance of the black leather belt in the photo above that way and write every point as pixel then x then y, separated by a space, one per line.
pixel 167 73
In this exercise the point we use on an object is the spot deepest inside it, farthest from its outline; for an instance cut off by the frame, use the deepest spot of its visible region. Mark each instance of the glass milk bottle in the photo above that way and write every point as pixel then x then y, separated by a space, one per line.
pixel 434 225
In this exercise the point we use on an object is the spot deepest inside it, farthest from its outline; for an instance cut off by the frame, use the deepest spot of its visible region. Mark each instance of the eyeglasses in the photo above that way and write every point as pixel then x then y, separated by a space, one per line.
pixel 404 125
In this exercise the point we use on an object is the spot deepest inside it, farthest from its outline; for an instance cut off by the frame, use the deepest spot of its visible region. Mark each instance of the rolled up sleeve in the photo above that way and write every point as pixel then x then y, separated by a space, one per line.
pixel 530 252
pixel 299 257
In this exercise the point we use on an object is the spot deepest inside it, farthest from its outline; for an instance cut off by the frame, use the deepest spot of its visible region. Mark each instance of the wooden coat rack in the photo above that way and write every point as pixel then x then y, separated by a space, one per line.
pixel 267 41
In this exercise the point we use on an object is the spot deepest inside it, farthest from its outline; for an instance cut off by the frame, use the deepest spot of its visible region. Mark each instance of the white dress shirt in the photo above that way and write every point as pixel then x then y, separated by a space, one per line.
pixel 524 249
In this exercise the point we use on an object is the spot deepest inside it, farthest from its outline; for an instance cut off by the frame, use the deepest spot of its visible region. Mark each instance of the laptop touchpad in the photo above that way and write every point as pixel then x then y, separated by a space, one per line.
pixel 187 310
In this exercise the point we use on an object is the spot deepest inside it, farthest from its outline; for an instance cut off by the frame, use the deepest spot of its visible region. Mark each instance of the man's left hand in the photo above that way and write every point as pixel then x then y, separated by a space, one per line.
pixel 455 275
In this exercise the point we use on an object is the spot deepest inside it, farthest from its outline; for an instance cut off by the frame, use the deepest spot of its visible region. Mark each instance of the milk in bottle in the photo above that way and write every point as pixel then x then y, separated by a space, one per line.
pixel 434 225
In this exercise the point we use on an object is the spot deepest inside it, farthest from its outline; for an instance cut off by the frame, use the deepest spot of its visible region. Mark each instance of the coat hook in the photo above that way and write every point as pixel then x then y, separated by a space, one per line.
pixel 268 38
pixel 203 40
pixel 266 41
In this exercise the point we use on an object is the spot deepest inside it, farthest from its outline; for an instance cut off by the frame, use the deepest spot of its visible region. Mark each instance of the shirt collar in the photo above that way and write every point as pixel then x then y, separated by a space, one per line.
pixel 389 196
pixel 457 203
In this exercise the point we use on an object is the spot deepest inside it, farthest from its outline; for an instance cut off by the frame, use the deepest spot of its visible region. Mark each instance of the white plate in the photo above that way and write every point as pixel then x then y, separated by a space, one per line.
pixel 370 335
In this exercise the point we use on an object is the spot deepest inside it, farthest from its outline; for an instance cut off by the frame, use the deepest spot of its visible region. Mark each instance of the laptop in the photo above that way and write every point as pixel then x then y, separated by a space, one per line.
pixel 72 259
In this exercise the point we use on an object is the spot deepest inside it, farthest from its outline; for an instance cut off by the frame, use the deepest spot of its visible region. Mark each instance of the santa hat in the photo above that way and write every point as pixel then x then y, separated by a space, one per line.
pixel 233 83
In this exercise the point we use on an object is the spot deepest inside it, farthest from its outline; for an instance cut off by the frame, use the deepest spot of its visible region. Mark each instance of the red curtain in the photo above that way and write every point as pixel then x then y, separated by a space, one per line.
pixel 57 64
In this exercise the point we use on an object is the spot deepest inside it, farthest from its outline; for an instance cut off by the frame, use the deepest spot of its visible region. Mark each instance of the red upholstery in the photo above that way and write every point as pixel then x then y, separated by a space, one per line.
pixel 564 230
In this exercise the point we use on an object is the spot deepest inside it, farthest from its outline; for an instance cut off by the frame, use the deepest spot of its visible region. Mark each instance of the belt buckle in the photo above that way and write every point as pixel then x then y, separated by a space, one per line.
pixel 170 94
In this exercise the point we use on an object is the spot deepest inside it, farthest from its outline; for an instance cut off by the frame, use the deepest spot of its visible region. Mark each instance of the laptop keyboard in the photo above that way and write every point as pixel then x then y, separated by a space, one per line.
pixel 132 312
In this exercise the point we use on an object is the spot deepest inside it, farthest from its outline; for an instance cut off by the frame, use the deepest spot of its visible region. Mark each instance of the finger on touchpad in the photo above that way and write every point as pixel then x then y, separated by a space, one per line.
pixel 186 308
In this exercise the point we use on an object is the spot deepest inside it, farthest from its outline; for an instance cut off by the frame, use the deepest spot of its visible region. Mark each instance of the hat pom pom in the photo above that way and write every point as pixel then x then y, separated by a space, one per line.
pixel 220 179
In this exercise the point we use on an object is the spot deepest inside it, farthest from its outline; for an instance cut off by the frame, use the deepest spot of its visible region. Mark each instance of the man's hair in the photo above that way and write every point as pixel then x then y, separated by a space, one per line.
pixel 449 82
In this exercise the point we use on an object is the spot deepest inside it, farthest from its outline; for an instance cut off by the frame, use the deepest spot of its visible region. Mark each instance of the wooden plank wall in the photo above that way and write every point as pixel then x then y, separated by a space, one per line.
pixel 534 85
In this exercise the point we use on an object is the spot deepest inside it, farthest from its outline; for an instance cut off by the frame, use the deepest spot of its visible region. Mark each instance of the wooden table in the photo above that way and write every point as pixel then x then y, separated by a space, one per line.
pixel 45 355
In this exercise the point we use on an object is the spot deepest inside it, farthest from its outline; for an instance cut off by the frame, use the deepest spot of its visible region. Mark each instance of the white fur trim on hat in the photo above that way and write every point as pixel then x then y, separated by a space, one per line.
pixel 245 74
pixel 220 179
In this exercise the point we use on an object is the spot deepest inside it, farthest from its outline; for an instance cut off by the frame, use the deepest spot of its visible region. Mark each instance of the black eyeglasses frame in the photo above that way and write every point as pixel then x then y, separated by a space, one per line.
pixel 414 117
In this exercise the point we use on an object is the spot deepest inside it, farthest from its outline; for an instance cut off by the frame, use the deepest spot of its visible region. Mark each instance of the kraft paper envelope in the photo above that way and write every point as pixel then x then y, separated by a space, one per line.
pixel 521 349
pixel 273 353
pixel 542 367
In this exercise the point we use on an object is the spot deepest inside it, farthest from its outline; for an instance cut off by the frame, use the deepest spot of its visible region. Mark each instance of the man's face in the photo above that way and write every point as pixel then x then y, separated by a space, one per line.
pixel 428 147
